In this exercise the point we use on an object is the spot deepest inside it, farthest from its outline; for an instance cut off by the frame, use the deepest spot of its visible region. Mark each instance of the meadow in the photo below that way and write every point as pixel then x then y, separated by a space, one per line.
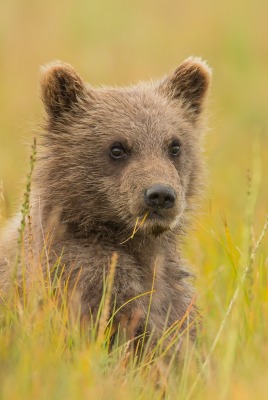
pixel 42 354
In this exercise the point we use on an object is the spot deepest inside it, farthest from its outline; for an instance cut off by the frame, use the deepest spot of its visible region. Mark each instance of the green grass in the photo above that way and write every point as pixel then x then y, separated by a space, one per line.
pixel 43 354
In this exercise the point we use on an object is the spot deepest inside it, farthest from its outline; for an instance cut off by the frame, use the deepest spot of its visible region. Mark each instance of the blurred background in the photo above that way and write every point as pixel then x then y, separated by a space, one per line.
pixel 120 42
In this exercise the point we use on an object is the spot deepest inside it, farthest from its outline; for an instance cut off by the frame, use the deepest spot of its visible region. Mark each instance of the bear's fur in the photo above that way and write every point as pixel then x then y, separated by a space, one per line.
pixel 100 152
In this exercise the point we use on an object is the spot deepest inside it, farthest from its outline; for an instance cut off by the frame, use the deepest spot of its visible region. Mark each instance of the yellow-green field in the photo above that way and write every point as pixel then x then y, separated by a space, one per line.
pixel 120 42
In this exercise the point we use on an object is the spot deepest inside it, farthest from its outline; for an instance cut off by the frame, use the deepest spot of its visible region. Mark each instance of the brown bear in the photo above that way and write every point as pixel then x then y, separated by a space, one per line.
pixel 117 170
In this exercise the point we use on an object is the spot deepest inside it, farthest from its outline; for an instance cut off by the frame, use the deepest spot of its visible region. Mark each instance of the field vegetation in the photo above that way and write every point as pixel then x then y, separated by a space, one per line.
pixel 44 354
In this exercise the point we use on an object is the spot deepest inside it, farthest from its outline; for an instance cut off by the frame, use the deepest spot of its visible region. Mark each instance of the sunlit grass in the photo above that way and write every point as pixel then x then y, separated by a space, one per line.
pixel 43 351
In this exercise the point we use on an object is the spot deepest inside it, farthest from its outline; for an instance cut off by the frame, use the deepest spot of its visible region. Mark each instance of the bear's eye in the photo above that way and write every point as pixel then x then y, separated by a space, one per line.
pixel 117 151
pixel 175 148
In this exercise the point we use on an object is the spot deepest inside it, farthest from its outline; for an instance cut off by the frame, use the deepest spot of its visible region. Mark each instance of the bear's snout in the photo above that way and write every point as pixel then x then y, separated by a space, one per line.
pixel 160 196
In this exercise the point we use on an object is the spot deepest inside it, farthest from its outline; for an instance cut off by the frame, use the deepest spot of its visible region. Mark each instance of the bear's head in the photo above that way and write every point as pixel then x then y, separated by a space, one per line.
pixel 112 155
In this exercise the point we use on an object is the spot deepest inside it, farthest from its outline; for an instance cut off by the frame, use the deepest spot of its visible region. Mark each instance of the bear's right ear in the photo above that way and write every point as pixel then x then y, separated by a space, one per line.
pixel 61 88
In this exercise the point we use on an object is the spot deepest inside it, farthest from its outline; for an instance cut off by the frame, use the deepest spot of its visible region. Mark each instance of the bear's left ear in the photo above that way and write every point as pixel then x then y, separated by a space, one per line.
pixel 61 88
pixel 189 84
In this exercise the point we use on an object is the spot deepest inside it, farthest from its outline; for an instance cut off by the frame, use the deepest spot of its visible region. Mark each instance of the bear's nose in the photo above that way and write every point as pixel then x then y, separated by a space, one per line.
pixel 160 196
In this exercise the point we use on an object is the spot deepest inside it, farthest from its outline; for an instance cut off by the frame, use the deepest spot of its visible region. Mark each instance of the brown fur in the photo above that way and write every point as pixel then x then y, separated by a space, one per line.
pixel 88 203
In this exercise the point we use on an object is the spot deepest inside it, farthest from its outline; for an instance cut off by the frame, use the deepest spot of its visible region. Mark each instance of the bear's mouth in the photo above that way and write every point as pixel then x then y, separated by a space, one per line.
pixel 157 222
pixel 155 214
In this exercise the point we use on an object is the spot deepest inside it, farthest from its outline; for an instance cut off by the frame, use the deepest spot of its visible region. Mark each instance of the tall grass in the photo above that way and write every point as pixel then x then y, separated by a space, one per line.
pixel 45 352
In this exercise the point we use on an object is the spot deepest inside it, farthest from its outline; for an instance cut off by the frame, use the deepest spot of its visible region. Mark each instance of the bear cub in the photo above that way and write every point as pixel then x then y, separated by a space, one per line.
pixel 117 172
